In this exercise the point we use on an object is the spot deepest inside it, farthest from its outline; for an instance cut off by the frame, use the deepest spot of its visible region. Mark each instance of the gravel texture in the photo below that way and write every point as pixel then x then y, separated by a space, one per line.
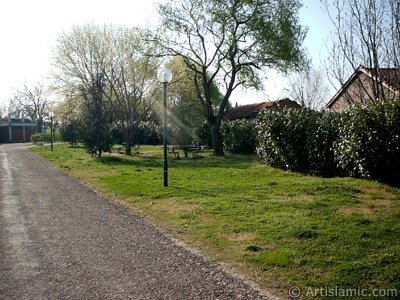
pixel 61 240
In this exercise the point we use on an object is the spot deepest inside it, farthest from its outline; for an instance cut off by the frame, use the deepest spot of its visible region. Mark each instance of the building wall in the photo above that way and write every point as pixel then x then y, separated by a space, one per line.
pixel 4 134
pixel 17 134
pixel 358 92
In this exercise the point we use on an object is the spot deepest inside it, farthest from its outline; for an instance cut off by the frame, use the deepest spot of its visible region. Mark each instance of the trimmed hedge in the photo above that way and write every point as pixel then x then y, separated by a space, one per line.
pixel 286 138
pixel 369 142
pixel 360 142
pixel 240 136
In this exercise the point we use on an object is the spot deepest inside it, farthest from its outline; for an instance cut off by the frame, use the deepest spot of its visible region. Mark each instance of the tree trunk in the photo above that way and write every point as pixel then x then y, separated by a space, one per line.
pixel 216 137
pixel 128 145
pixel 129 138
pixel 39 126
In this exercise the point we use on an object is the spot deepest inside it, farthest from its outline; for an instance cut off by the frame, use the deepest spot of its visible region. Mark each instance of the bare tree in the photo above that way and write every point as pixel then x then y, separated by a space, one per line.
pixel 32 102
pixel 309 88
pixel 80 59
pixel 3 110
pixel 109 64
pixel 227 43
pixel 130 76
pixel 365 34
pixel 393 43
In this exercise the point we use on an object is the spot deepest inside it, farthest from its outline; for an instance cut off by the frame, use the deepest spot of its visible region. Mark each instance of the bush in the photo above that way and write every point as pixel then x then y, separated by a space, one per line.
pixel 321 141
pixel 180 135
pixel 36 138
pixel 239 136
pixel 285 138
pixel 369 143
pixel 44 137
pixel 360 142
pixel 69 132
pixel 148 133
pixel 203 135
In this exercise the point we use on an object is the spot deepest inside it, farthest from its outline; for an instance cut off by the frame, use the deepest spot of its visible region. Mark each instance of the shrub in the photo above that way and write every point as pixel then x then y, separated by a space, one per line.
pixel 239 136
pixel 360 142
pixel 148 133
pixel 36 138
pixel 180 135
pixel 369 141
pixel 69 132
pixel 46 136
pixel 321 141
pixel 203 135
pixel 285 138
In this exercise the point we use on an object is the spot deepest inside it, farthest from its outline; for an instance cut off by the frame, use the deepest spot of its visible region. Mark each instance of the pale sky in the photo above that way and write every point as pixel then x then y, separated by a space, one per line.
pixel 29 29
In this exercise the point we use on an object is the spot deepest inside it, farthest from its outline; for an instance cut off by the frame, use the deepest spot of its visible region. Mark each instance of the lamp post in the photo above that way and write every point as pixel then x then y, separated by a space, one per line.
pixel 164 76
pixel 51 130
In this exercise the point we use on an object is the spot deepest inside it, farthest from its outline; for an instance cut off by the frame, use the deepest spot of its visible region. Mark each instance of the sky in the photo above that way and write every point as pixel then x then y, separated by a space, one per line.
pixel 29 30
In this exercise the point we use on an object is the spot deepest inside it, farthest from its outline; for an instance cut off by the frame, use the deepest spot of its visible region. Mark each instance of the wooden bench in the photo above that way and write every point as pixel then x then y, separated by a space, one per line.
pixel 135 147
pixel 174 150
pixel 195 150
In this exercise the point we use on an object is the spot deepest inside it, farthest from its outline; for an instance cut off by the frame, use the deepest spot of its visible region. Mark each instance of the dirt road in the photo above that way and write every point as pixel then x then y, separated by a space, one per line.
pixel 60 240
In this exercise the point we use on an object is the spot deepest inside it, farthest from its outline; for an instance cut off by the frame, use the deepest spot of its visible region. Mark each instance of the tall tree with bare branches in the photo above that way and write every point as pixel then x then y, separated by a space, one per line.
pixel 309 89
pixel 108 69
pixel 130 76
pixel 32 102
pixel 366 33
pixel 80 58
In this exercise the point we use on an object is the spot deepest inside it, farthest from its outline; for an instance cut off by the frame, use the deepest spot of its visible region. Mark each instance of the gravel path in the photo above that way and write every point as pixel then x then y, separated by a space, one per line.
pixel 60 240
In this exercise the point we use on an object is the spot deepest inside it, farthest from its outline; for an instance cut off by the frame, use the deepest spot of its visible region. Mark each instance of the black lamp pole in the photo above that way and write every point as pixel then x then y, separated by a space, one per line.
pixel 165 157
pixel 51 132
pixel 164 76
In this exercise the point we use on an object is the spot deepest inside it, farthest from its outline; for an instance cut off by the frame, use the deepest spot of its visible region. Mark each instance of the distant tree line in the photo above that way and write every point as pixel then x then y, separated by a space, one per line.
pixel 107 74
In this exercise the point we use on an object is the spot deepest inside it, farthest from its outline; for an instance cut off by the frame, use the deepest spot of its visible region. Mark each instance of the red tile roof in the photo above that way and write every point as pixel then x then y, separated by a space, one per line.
pixel 390 77
pixel 251 110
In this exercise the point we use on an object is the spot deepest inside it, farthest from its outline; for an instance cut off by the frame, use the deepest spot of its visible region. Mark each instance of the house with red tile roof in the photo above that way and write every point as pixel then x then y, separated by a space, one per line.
pixel 250 111
pixel 366 85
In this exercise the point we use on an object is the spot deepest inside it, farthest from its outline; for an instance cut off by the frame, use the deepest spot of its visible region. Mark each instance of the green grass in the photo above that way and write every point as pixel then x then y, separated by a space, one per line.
pixel 278 228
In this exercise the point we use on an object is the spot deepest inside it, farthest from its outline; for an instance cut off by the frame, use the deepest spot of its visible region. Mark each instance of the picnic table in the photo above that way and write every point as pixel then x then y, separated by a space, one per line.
pixel 135 147
pixel 185 149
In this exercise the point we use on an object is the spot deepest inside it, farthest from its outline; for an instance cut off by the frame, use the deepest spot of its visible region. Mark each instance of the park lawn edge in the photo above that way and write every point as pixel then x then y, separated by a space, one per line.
pixel 271 264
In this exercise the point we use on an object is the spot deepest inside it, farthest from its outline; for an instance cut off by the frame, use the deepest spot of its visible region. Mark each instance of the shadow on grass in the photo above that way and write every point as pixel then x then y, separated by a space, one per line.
pixel 154 161
pixel 122 161
pixel 192 191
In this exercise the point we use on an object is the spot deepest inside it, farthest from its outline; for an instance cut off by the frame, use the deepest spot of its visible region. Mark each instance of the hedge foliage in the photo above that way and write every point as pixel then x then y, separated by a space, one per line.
pixel 369 143
pixel 360 142
pixel 45 137
pixel 240 136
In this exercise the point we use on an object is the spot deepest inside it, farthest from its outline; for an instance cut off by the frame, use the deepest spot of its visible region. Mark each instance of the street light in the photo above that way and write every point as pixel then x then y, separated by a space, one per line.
pixel 51 130
pixel 164 76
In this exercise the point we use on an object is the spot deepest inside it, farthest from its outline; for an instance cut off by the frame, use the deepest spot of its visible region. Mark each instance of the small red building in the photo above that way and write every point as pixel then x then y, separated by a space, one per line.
pixel 16 130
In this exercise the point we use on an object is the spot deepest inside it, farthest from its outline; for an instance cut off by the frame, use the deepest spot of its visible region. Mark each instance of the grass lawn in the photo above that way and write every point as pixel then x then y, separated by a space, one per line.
pixel 278 228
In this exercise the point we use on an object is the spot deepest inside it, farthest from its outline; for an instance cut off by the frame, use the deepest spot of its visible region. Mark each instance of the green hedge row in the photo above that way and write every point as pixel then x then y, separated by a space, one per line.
pixel 45 137
pixel 240 136
pixel 360 142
